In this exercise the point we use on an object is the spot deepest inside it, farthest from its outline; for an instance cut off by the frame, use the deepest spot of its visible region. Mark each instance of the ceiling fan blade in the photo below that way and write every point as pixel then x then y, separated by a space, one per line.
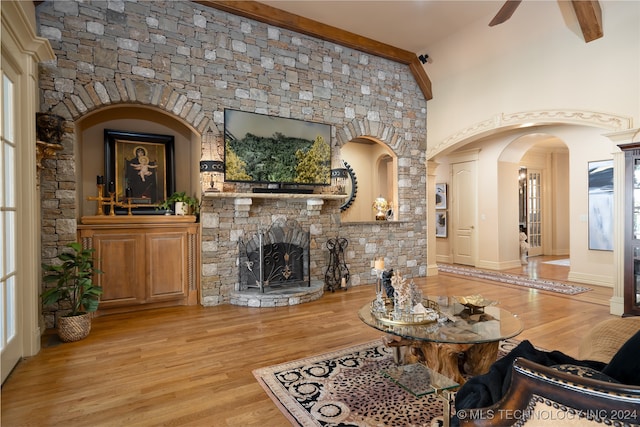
pixel 505 12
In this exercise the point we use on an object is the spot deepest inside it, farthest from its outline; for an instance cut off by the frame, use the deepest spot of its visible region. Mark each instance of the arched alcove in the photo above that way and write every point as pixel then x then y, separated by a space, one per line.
pixel 90 146
pixel 375 166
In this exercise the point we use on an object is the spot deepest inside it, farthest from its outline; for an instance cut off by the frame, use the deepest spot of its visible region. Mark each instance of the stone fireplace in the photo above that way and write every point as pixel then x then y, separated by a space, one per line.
pixel 286 233
pixel 275 258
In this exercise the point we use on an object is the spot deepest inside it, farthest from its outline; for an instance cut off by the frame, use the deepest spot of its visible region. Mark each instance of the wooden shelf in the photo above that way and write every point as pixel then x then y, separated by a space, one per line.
pixel 137 219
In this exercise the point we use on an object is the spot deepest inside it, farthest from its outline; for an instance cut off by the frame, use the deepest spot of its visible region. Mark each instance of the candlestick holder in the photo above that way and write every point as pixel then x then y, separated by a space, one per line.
pixel 128 205
pixel 100 199
pixel 113 202
pixel 379 304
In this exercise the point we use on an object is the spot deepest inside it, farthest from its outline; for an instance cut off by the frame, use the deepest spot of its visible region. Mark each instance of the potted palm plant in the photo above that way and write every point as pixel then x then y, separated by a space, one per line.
pixel 73 290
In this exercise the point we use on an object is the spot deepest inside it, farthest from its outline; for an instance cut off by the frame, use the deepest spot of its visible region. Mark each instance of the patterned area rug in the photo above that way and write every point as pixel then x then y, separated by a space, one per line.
pixel 346 388
pixel 514 279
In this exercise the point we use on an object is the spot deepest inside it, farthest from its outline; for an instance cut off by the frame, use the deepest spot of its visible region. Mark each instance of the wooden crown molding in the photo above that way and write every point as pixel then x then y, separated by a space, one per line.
pixel 589 16
pixel 279 18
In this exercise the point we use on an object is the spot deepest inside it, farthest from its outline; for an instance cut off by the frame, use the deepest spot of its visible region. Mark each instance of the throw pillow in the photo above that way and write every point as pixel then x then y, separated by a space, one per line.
pixel 625 364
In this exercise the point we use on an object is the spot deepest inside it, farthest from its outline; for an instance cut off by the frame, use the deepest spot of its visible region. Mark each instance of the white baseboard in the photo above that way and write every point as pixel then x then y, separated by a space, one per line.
pixel 445 259
pixel 591 279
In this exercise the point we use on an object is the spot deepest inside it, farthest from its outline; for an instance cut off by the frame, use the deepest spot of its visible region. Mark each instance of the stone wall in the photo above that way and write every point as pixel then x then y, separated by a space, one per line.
pixel 192 62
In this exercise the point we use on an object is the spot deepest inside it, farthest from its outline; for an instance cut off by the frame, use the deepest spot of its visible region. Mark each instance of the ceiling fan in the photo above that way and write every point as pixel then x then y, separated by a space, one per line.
pixel 505 12
pixel 588 13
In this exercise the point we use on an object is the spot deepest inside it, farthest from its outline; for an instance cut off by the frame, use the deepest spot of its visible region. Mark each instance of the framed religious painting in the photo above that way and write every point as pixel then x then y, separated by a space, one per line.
pixel 139 167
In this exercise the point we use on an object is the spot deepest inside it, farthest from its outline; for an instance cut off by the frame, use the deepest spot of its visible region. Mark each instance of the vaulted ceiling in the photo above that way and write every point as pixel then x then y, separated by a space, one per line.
pixel 395 29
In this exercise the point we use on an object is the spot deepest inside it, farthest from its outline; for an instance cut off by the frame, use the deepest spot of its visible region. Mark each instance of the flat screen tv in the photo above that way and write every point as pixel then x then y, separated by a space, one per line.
pixel 274 150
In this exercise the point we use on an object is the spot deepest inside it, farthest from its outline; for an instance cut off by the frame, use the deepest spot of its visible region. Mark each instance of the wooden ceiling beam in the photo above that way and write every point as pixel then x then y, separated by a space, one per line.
pixel 279 18
pixel 589 16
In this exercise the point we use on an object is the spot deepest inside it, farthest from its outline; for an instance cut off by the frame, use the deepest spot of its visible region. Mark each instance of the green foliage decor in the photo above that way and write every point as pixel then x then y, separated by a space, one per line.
pixel 181 196
pixel 73 281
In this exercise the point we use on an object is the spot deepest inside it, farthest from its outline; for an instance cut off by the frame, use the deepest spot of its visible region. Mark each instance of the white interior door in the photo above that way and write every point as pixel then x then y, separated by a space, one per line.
pixel 10 339
pixel 534 212
pixel 464 212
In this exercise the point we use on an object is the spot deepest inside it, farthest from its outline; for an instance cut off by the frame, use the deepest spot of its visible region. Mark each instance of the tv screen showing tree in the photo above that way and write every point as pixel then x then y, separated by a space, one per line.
pixel 268 149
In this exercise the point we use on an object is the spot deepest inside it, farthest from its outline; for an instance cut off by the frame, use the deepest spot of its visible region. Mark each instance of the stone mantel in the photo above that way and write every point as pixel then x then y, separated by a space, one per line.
pixel 214 195
pixel 243 199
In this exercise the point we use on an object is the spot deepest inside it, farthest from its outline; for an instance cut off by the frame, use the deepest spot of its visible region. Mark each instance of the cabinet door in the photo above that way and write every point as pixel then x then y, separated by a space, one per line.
pixel 167 265
pixel 121 258
pixel 632 284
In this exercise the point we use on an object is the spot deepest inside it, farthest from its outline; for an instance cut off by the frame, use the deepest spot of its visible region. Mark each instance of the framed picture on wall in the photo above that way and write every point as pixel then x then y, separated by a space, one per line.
pixel 441 196
pixel 441 224
pixel 139 166
pixel 601 205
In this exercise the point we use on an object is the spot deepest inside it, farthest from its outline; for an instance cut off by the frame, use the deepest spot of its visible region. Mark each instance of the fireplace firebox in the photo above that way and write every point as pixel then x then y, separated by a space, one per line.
pixel 277 257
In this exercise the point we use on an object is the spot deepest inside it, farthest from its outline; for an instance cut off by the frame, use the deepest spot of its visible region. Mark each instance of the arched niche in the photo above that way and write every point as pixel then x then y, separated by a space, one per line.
pixel 375 166
pixel 90 149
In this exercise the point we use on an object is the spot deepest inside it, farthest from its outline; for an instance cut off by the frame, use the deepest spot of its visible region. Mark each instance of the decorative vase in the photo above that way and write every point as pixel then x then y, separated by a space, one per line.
pixel 181 208
pixel 74 328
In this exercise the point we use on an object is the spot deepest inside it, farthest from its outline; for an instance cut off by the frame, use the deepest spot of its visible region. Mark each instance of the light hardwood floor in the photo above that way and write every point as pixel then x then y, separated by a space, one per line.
pixel 192 366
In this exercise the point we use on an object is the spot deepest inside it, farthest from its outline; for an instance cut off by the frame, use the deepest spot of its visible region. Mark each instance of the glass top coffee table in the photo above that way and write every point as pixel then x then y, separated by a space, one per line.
pixel 468 338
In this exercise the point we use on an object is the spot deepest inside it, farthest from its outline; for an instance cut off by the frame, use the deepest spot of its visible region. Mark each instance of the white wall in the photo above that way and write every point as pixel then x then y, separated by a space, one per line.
pixel 537 61
pixel 534 62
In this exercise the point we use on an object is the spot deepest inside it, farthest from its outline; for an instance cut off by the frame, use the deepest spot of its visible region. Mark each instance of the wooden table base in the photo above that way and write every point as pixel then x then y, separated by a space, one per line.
pixel 451 360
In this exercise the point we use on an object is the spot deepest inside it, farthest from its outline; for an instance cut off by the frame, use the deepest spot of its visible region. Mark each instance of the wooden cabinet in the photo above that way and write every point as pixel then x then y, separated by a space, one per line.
pixel 632 230
pixel 147 261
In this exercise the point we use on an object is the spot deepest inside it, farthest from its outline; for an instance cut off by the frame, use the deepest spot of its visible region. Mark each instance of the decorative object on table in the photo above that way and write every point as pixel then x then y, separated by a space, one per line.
pixel 351 389
pixel 379 304
pixel 475 303
pixel 405 306
pixel 380 205
pixel 386 282
pixel 401 296
pixel 74 288
pixel 337 274
pixel 415 294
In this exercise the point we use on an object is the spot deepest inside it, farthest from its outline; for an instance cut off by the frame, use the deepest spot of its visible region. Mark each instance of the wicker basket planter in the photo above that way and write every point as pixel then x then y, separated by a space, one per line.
pixel 74 328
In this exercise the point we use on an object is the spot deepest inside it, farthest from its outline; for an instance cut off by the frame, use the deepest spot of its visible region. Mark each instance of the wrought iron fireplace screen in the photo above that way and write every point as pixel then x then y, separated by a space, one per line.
pixel 276 257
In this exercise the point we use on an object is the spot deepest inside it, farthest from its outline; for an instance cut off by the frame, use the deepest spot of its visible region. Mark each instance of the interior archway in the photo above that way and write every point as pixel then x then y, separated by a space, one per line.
pixel 376 169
